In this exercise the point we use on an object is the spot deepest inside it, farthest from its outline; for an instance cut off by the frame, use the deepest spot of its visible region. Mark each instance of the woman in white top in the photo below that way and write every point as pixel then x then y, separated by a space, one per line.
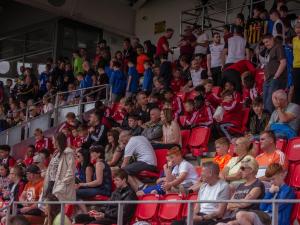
pixel 47 105
pixel 171 129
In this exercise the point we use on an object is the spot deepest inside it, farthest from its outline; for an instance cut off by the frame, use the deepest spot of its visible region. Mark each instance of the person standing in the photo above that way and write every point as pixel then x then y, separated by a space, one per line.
pixel 214 59
pixel 60 176
pixel 275 70
pixel 296 66
pixel 163 44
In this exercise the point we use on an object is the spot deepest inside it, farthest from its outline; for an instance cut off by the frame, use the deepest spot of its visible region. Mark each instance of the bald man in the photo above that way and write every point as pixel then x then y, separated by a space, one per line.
pixel 285 119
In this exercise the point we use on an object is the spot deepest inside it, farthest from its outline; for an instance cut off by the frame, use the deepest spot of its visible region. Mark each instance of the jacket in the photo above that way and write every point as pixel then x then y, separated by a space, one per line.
pixel 284 209
pixel 153 131
pixel 99 136
pixel 64 185
pixel 121 194
pixel 256 126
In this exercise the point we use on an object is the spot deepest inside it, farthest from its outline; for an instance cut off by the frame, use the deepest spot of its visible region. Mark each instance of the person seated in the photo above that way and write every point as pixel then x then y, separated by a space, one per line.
pixel 158 187
pixel 232 115
pixel 230 86
pixel 212 99
pixel 100 183
pixel 205 116
pixel 143 107
pixel 133 125
pixel 18 220
pixel 269 153
pixel 5 157
pixel 153 128
pixel 231 172
pixel 278 190
pixel 97 131
pixel 84 167
pixel 42 159
pixel 285 119
pixel 252 189
pixel 171 131
pixel 71 122
pixel 190 114
pixel 129 108
pixel 222 156
pixel 176 103
pixel 80 136
pixel 28 160
pixel 113 151
pixel 145 159
pixel 259 119
pixel 4 179
pixel 32 192
pixel 182 176
pixel 250 90
pixel 212 189
pixel 109 213
pixel 42 142
pixel 177 82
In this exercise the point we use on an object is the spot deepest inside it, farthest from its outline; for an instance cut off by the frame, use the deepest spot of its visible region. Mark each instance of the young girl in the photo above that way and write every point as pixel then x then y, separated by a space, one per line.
pixel 148 77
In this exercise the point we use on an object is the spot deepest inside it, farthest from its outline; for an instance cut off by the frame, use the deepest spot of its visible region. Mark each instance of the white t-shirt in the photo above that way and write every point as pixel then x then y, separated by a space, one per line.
pixel 186 167
pixel 197 77
pixel 141 149
pixel 215 51
pixel 219 191
pixel 201 39
pixel 236 49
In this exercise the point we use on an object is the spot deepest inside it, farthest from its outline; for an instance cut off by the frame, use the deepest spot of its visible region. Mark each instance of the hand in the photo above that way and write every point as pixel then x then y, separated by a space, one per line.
pixel 99 216
pixel 166 186
pixel 92 129
pixel 209 73
pixel 274 189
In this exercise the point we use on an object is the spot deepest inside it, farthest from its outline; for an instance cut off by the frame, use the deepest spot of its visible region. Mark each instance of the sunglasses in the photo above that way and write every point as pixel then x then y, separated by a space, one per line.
pixel 243 168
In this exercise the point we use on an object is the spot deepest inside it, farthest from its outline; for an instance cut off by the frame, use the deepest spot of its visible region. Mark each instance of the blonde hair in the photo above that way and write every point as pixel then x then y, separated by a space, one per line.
pixel 251 162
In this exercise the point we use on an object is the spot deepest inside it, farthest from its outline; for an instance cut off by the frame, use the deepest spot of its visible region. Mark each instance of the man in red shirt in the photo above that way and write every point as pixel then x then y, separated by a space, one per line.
pixel 162 47
pixel 234 72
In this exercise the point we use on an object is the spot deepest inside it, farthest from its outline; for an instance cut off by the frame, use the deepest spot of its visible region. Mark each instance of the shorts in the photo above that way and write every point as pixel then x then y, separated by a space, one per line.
pixel 136 167
pixel 157 187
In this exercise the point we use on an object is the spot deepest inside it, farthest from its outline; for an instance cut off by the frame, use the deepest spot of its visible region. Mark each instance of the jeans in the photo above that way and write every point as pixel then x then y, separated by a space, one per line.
pixel 269 87
pixel 223 128
pixel 83 193
pixel 217 76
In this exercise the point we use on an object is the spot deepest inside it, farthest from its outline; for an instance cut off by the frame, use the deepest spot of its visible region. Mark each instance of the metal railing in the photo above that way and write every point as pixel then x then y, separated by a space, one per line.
pixel 25 130
pixel 218 17
pixel 190 206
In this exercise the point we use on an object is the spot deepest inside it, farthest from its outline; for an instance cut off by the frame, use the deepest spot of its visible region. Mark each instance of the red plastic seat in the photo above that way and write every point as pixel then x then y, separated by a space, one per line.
pixel 295 177
pixel 243 128
pixel 192 196
pixel 147 212
pixel 169 212
pixel 161 161
pixel 198 140
pixel 216 90
pixel 293 149
pixel 185 135
pixel 295 216
pixel 281 144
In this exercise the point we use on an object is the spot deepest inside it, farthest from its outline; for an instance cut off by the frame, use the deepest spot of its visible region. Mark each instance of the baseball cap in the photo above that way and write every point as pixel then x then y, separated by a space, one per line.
pixel 33 169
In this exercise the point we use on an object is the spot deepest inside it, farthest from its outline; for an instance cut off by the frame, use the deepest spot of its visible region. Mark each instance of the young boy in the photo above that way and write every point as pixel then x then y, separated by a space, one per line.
pixel 259 120
pixel 133 125
pixel 232 116
pixel 140 60
pixel 222 157
pixel 77 63
pixel 176 103
pixel 177 82
pixel 5 157
pixel 148 77
pixel 182 176
pixel 133 80
pixel 117 81
pixel 250 90
pixel 211 98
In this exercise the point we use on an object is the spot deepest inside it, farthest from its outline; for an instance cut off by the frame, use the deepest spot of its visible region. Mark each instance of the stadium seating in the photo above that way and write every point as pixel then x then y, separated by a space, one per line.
pixel 243 128
pixel 169 212
pixel 147 212
pixel 185 135
pixel 293 156
pixel 192 196
pixel 198 140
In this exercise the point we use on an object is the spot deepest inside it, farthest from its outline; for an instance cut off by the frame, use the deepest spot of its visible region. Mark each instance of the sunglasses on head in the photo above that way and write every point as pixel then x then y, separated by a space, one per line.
pixel 243 168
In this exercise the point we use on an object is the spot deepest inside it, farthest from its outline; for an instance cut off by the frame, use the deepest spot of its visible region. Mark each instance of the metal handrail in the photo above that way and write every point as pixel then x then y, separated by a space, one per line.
pixel 190 203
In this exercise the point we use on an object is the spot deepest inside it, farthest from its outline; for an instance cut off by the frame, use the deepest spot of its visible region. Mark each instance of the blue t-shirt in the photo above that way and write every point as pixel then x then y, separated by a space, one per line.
pixel 43 80
pixel 117 81
pixel 134 84
pixel 148 80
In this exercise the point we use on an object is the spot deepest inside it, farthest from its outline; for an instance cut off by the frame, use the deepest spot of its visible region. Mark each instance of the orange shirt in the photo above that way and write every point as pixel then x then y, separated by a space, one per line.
pixel 33 191
pixel 140 63
pixel 265 159
pixel 222 160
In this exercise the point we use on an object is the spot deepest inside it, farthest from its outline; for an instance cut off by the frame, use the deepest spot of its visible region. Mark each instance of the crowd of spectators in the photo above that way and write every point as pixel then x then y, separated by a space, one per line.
pixel 153 99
